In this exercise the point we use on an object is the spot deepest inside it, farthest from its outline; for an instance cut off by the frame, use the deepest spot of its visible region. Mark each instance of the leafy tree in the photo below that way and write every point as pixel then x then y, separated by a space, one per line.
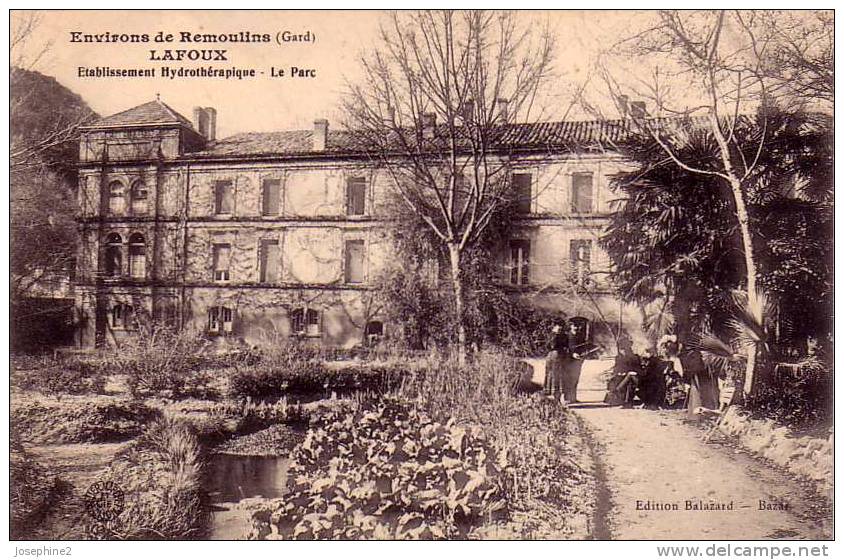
pixel 44 122
pixel 674 234
pixel 721 63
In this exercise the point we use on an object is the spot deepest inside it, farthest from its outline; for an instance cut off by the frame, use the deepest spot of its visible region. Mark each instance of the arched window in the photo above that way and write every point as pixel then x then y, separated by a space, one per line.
pixel 139 198
pixel 114 255
pixel 305 322
pixel 220 320
pixel 116 198
pixel 137 256
pixel 122 316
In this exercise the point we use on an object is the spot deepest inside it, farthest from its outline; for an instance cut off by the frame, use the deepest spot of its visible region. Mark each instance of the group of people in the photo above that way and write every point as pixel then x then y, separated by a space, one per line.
pixel 675 376
pixel 670 378
pixel 562 366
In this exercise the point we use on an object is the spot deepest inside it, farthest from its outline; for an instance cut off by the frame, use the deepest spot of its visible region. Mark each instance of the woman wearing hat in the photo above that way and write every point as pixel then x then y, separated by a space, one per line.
pixel 703 386
pixel 559 352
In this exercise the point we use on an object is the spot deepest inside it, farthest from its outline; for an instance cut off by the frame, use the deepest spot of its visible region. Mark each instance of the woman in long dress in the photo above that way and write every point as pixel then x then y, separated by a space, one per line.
pixel 559 350
pixel 703 386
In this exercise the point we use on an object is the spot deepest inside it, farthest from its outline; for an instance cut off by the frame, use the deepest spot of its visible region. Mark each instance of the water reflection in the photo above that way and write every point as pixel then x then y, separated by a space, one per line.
pixel 232 478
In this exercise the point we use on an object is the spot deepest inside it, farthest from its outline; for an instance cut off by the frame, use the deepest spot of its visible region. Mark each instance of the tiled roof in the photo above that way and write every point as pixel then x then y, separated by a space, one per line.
pixel 154 112
pixel 558 135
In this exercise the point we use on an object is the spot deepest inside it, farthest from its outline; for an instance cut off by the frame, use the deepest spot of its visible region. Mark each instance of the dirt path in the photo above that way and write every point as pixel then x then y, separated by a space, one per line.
pixel 653 462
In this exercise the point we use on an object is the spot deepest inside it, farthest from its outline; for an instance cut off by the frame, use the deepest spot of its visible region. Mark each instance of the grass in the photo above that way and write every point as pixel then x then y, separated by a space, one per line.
pixel 161 477
pixel 77 419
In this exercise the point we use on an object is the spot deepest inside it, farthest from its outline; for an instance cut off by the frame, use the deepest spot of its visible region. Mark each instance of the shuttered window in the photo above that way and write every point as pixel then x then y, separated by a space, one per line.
pixel 269 260
pixel 356 197
pixel 581 193
pixel 272 195
pixel 522 190
pixel 223 197
pixel 355 270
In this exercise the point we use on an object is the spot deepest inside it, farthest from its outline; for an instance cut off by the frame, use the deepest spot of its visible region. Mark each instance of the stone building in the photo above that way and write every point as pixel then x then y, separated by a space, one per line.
pixel 264 235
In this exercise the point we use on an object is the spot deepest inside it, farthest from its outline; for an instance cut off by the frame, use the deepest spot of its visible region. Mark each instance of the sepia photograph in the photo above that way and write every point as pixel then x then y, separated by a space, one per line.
pixel 459 275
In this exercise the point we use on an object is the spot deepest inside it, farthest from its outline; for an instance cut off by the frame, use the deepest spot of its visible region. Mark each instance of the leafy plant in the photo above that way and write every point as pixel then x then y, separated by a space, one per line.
pixel 387 471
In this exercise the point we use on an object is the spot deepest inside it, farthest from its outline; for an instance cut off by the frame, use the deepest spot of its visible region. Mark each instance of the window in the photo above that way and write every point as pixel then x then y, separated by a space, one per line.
pixel 305 322
pixel 270 204
pixel 221 257
pixel 116 198
pixel 122 316
pixel 220 320
pixel 139 198
pixel 520 262
pixel 523 193
pixel 114 255
pixel 354 270
pixel 581 193
pixel 356 197
pixel 581 260
pixel 223 197
pixel 269 256
pixel 137 256
pixel 373 332
pixel 582 331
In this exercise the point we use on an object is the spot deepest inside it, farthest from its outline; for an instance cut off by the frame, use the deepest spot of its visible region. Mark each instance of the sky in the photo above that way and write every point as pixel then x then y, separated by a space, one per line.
pixel 266 103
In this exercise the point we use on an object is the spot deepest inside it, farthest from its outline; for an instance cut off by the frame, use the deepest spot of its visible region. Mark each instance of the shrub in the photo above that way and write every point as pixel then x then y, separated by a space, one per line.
pixel 311 379
pixel 162 360
pixel 160 476
pixel 79 420
pixel 75 377
pixel 798 396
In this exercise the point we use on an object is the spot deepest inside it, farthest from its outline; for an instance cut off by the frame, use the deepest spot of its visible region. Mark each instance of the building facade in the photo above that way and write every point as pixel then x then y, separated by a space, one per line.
pixel 266 235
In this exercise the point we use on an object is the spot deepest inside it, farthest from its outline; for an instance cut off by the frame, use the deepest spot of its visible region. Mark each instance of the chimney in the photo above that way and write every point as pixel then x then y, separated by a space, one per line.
pixel 429 124
pixel 637 110
pixel 503 116
pixel 623 105
pixel 200 121
pixel 320 135
pixel 211 116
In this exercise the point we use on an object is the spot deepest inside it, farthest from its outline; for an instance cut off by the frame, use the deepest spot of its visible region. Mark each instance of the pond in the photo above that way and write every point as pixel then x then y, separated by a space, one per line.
pixel 232 480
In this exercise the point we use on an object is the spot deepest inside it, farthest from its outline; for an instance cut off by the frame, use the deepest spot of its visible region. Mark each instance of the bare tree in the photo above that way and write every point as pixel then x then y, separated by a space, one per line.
pixel 433 110
pixel 801 65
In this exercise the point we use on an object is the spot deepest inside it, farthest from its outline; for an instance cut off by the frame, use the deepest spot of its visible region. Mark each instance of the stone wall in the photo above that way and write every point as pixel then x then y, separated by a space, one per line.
pixel 810 458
